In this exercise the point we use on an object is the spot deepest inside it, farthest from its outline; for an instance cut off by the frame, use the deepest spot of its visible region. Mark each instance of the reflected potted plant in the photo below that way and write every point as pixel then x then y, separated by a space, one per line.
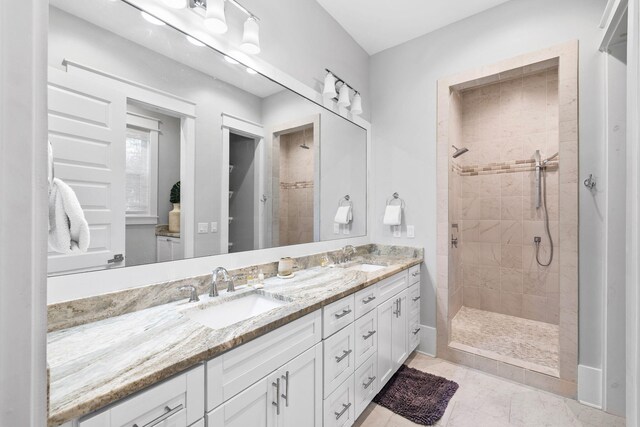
pixel 174 215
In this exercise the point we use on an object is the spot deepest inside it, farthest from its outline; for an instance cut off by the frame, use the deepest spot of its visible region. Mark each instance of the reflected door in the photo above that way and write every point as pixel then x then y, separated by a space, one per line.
pixel 87 133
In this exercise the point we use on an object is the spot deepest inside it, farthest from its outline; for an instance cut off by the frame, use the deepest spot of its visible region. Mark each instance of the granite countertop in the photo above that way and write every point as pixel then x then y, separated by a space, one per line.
pixel 96 364
pixel 163 231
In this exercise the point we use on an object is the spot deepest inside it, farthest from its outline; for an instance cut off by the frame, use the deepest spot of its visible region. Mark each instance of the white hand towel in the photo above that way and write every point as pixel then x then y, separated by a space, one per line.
pixel 393 215
pixel 68 228
pixel 343 215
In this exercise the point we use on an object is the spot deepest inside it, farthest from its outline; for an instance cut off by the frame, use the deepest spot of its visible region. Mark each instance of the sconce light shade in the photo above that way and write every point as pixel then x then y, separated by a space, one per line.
pixel 215 19
pixel 251 36
pixel 329 90
pixel 176 4
pixel 356 105
pixel 343 98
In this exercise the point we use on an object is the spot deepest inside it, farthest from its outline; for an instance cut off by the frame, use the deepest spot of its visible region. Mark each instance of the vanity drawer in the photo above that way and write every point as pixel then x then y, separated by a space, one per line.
pixel 389 287
pixel 339 407
pixel 339 358
pixel 234 371
pixel 414 331
pixel 366 383
pixel 366 300
pixel 177 402
pixel 366 337
pixel 337 315
pixel 414 274
pixel 414 300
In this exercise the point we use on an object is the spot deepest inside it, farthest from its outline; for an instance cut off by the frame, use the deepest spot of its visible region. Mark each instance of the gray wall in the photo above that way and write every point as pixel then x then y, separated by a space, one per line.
pixel 403 96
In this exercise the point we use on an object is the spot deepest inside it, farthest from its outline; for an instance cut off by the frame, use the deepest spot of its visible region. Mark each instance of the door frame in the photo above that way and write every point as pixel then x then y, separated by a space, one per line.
pixel 255 131
pixel 171 105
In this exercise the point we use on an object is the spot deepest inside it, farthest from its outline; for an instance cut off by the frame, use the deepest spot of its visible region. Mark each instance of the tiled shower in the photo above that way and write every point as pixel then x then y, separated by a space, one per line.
pixel 498 308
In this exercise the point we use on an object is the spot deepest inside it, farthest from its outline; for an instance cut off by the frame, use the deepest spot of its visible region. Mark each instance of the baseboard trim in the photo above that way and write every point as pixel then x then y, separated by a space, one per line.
pixel 590 386
pixel 427 340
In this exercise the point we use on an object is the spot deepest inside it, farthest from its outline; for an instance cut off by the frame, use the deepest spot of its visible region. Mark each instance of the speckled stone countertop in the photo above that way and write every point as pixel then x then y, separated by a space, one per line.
pixel 163 231
pixel 96 364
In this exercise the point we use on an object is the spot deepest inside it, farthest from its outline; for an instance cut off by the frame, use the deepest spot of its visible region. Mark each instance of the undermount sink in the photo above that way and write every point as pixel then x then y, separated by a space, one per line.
pixel 368 268
pixel 226 313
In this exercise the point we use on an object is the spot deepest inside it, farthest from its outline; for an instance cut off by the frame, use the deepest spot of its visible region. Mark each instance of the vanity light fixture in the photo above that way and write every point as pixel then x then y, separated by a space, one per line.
pixel 152 19
pixel 215 19
pixel 195 42
pixel 176 4
pixel 342 94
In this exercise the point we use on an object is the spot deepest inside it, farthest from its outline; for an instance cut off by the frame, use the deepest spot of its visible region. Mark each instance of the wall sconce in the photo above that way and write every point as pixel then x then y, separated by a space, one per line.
pixel 333 82
pixel 215 20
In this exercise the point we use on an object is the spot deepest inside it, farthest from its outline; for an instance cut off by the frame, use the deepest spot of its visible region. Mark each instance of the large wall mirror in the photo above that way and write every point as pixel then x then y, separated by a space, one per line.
pixel 175 151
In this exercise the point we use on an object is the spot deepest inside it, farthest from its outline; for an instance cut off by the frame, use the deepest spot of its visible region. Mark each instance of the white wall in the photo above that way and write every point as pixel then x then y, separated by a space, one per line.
pixel 23 218
pixel 403 96
pixel 302 39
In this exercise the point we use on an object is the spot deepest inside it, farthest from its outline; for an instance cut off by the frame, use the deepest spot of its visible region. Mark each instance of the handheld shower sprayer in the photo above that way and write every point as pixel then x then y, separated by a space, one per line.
pixel 541 195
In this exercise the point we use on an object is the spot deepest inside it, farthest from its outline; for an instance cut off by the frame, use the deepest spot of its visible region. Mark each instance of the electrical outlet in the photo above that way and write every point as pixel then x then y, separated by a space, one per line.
pixel 411 231
pixel 336 228
pixel 203 228
pixel 397 231
pixel 214 227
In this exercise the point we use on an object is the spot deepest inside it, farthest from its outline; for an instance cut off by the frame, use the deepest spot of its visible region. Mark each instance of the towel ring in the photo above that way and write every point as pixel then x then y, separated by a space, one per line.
pixel 395 197
pixel 345 201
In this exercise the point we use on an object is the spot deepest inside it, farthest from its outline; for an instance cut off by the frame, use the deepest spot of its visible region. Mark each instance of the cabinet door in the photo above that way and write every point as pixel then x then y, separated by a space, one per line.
pixel 400 348
pixel 386 315
pixel 255 407
pixel 301 390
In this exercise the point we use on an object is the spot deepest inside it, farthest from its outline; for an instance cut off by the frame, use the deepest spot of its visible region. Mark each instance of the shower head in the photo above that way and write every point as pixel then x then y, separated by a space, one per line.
pixel 459 151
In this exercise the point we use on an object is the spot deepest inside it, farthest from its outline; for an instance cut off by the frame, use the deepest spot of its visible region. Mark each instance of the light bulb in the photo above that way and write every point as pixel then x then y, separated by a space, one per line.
pixel 329 91
pixel 215 19
pixel 251 36
pixel 356 105
pixel 343 98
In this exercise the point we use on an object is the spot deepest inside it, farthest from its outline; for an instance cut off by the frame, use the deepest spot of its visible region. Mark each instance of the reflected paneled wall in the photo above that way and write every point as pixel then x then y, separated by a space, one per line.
pixel 502 125
pixel 296 187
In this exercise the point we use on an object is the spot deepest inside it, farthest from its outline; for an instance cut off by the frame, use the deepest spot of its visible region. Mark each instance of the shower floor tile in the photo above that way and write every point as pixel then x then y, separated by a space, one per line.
pixel 521 342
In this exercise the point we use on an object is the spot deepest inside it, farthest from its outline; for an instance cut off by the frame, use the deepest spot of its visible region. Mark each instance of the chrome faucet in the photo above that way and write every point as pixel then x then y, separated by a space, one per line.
pixel 193 292
pixel 221 271
pixel 348 252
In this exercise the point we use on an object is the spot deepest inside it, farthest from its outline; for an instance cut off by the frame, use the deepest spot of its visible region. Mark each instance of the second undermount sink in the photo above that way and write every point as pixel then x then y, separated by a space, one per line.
pixel 227 312
pixel 368 268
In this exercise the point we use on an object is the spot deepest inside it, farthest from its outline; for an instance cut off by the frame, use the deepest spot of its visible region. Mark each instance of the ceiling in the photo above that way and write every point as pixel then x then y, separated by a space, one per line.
pixel 377 25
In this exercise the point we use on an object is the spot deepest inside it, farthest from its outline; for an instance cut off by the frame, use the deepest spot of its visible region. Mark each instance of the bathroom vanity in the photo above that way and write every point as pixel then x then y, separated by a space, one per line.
pixel 313 350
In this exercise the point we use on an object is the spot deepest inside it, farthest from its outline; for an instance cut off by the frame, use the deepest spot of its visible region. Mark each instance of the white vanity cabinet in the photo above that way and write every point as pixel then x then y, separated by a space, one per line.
pixel 288 397
pixel 392 335
pixel 177 402
pixel 168 249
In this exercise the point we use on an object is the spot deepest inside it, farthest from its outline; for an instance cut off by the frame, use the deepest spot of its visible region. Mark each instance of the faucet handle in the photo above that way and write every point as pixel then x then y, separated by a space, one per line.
pixel 193 296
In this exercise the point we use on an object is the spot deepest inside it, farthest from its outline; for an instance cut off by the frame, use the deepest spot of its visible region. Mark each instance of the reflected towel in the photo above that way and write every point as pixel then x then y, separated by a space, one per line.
pixel 68 228
pixel 344 215
pixel 393 215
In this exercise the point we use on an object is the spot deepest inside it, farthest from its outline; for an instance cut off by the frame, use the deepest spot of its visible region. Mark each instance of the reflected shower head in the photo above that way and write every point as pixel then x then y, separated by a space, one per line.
pixel 459 151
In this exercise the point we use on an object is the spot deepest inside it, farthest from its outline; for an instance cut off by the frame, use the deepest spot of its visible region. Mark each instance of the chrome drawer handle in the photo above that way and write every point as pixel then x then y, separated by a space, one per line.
pixel 368 383
pixel 345 408
pixel 415 299
pixel 369 335
pixel 344 313
pixel 415 274
pixel 368 300
pixel 168 412
pixel 285 395
pixel 277 402
pixel 345 353
pixel 416 331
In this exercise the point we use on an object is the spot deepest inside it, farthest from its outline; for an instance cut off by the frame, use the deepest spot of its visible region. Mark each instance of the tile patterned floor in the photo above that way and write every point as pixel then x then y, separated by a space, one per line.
pixel 487 401
pixel 514 340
